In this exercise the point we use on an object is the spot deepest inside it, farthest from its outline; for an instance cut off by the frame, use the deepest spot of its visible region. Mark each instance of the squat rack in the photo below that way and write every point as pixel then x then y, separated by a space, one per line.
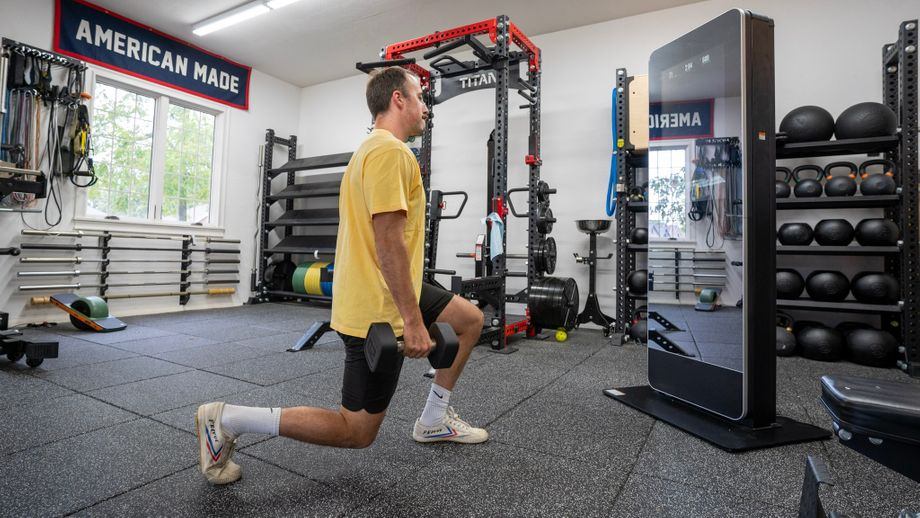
pixel 495 67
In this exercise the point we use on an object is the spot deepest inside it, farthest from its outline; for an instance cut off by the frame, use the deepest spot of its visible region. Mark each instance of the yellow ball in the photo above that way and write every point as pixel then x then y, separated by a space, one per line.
pixel 561 335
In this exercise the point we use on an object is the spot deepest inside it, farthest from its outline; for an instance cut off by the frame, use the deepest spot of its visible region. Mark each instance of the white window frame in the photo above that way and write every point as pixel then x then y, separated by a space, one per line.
pixel 163 96
pixel 690 236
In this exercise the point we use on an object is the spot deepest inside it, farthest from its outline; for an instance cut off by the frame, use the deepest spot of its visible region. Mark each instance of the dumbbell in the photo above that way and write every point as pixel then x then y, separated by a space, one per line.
pixel 382 349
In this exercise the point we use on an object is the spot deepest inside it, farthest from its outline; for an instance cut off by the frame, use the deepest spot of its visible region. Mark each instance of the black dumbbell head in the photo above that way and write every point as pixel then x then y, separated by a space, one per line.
pixel 446 345
pixel 380 348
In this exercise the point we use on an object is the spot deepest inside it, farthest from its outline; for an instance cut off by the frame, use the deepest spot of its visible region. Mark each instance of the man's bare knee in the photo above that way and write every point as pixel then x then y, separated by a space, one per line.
pixel 474 320
pixel 362 432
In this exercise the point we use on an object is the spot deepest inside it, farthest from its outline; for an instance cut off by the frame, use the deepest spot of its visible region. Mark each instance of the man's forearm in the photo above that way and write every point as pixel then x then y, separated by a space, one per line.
pixel 394 265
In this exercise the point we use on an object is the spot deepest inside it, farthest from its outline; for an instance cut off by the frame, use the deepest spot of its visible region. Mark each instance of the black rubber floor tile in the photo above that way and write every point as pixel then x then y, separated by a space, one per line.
pixel 494 479
pixel 55 419
pixel 23 391
pixel 157 395
pixel 652 497
pixel 264 490
pixel 128 334
pixel 863 487
pixel 299 323
pixel 568 420
pixel 75 353
pixel 162 344
pixel 211 355
pixel 391 460
pixel 279 367
pixel 281 341
pixel 223 331
pixel 771 475
pixel 108 374
pixel 72 474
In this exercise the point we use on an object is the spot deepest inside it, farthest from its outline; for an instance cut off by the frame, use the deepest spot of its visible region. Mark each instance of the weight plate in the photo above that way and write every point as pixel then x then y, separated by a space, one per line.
pixel 545 219
pixel 279 275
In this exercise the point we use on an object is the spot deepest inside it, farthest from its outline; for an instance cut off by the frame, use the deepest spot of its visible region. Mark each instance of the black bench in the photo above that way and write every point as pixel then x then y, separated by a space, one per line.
pixel 877 418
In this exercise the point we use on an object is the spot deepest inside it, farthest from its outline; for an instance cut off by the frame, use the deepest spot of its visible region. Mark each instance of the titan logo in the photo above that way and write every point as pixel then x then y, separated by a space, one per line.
pixel 477 80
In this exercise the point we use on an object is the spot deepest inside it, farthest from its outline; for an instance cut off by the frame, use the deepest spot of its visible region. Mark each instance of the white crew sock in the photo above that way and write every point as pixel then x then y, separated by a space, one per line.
pixel 436 406
pixel 237 420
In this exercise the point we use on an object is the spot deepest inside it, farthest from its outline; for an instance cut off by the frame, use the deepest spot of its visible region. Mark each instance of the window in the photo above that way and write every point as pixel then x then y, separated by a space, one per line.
pixel 154 156
pixel 667 208
pixel 123 146
pixel 189 151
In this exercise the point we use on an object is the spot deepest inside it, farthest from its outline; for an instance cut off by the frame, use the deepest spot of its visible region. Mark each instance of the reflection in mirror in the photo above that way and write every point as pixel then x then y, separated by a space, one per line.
pixel 696 199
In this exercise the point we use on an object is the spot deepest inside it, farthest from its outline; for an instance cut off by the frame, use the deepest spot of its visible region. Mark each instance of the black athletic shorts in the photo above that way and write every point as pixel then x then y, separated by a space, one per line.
pixel 372 391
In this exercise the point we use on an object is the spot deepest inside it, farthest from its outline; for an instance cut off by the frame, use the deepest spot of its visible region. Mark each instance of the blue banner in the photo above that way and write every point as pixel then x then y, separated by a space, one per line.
pixel 680 120
pixel 99 36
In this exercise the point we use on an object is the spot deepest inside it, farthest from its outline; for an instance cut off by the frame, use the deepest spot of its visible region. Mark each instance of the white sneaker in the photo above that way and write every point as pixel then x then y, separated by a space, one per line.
pixel 452 429
pixel 215 447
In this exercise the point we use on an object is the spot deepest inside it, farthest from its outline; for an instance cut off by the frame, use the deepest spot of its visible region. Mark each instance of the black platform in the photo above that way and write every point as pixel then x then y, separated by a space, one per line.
pixel 725 434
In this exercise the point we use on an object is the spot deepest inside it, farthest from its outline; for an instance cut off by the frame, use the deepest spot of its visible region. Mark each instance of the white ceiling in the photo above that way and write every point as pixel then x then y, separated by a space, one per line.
pixel 313 41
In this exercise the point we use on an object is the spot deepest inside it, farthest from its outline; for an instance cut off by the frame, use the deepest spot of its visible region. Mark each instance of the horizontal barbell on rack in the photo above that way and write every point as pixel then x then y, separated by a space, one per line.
pixel 212 291
pixel 544 256
pixel 76 273
pixel 81 233
pixel 77 247
pixel 120 285
pixel 79 260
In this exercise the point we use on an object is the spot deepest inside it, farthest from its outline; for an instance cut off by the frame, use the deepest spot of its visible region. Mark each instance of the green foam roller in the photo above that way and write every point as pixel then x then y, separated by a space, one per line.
pixel 708 295
pixel 93 307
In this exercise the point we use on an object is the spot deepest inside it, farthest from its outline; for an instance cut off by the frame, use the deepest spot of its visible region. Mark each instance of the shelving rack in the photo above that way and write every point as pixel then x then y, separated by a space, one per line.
pixel 628 158
pixel 289 245
pixel 899 79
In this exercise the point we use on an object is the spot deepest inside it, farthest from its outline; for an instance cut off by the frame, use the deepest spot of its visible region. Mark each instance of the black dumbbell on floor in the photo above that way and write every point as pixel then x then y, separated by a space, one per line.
pixel 382 349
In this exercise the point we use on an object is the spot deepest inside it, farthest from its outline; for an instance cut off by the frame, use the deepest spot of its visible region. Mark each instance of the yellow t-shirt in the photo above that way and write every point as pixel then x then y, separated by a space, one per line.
pixel 382 176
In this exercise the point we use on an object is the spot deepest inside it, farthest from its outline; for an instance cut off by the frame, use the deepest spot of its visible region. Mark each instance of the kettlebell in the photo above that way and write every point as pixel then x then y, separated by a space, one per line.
pixel 827 285
pixel 785 340
pixel 842 184
pixel 834 232
pixel 795 234
pixel 877 184
pixel 877 232
pixel 783 190
pixel 807 187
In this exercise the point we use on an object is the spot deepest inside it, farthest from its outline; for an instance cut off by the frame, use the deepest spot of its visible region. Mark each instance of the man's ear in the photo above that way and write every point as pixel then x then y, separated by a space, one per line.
pixel 397 99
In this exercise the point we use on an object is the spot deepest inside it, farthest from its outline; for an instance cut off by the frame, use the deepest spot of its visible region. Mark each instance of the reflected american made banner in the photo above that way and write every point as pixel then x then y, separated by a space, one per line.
pixel 680 119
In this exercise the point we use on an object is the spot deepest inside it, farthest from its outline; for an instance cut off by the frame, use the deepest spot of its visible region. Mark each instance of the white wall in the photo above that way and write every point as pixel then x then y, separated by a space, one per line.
pixel 272 104
pixel 827 53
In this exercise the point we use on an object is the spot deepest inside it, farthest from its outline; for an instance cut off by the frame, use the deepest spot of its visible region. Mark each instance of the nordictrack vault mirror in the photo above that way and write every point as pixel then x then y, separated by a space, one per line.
pixel 711 249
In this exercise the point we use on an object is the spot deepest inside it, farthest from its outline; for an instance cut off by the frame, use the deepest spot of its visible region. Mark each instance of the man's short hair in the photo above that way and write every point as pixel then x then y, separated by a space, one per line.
pixel 381 85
